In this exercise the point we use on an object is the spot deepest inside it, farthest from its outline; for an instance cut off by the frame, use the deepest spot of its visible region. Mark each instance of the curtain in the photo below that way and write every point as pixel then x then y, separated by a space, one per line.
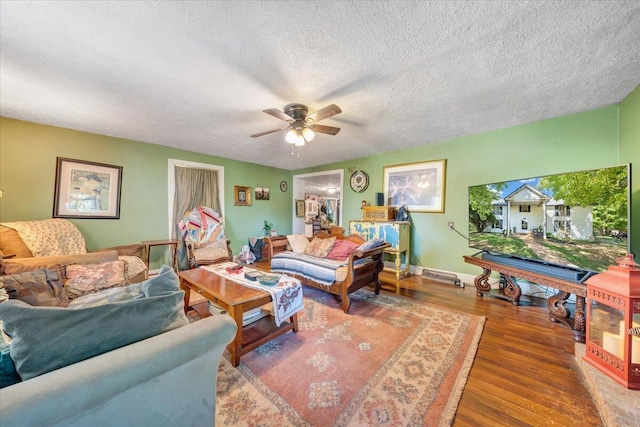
pixel 194 187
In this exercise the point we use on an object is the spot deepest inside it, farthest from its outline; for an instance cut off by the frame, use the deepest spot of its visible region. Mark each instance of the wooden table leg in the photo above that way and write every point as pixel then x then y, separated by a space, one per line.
pixel 294 320
pixel 482 282
pixel 187 294
pixel 235 346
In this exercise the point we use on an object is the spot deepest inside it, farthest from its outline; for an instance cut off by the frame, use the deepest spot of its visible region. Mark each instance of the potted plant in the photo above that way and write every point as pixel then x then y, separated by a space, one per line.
pixel 267 228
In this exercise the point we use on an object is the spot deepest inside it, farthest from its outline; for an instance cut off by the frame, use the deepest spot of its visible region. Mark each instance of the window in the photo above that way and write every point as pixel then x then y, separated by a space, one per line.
pixel 524 224
pixel 567 211
pixel 497 224
pixel 497 210
pixel 562 226
pixel 525 208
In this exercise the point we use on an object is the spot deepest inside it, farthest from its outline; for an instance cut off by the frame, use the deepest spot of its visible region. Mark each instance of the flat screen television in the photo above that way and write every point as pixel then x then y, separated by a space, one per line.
pixel 569 225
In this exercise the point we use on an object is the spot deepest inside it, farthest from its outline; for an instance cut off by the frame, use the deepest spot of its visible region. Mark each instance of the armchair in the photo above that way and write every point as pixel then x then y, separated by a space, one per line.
pixel 202 230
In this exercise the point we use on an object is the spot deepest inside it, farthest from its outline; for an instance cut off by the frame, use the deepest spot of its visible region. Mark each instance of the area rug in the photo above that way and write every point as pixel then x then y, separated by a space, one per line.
pixel 391 361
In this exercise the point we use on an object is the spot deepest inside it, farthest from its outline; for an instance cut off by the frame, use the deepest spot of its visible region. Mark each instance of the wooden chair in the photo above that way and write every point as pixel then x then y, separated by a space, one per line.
pixel 202 230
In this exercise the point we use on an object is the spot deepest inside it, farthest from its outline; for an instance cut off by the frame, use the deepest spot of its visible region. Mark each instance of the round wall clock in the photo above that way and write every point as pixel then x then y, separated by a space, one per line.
pixel 284 186
pixel 359 181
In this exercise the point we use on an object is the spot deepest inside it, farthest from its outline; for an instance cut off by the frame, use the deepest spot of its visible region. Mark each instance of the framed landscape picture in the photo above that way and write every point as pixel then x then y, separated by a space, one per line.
pixel 86 190
pixel 420 186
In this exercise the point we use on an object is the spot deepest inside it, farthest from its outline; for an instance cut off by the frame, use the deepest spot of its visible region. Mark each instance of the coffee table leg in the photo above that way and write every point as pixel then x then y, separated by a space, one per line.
pixel 294 320
pixel 187 294
pixel 236 345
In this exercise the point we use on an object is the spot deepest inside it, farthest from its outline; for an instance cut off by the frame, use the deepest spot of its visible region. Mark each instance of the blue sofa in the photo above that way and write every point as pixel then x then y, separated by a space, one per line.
pixel 166 380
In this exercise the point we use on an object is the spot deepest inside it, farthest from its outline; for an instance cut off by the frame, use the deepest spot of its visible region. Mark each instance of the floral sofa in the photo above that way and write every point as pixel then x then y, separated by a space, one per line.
pixel 32 244
pixel 121 356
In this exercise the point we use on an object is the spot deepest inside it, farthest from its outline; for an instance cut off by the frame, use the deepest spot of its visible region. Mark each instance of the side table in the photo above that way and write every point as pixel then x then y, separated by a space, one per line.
pixel 174 251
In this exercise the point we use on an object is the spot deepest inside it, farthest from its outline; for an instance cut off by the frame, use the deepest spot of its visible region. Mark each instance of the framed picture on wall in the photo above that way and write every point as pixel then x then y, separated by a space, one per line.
pixel 419 186
pixel 86 190
pixel 299 208
pixel 241 195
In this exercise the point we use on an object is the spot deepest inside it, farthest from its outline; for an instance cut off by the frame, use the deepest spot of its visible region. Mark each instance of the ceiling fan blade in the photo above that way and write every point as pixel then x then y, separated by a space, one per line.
pixel 278 114
pixel 324 113
pixel 325 129
pixel 269 131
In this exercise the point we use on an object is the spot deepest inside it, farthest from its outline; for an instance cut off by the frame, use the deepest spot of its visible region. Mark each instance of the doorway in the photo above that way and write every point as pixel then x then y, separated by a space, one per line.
pixel 328 187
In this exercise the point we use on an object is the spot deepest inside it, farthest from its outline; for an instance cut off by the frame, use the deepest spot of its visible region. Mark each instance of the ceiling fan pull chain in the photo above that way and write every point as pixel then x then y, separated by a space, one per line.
pixel 292 149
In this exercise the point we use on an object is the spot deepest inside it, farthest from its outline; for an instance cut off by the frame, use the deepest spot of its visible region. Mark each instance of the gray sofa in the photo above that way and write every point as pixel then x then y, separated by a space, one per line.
pixel 166 380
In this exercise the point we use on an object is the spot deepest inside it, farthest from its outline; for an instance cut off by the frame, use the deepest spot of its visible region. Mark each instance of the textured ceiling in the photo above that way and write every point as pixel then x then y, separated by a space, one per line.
pixel 197 75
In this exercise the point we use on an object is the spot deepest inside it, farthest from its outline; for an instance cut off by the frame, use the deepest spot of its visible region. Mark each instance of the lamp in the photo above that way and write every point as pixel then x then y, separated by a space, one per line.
pixel 299 135
pixel 613 322
pixel 308 134
pixel 292 136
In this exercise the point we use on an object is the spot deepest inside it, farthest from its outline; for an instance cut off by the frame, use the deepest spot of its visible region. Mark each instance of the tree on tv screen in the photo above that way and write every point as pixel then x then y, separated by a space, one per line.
pixel 480 204
pixel 604 189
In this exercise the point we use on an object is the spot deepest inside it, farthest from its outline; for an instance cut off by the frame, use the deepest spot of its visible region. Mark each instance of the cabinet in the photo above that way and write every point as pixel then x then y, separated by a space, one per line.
pixel 396 233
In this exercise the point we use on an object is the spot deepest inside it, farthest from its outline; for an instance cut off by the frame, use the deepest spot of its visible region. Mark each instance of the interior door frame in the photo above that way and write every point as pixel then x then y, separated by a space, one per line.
pixel 171 185
pixel 297 193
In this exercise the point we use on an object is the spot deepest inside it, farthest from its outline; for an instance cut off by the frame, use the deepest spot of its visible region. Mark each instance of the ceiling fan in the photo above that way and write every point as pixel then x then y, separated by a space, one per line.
pixel 301 125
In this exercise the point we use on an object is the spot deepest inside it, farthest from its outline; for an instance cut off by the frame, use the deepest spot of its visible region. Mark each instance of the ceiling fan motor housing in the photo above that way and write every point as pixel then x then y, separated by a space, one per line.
pixel 296 111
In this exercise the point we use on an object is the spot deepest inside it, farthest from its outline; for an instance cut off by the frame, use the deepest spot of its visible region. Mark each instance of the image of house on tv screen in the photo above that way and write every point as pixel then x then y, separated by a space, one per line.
pixel 578 219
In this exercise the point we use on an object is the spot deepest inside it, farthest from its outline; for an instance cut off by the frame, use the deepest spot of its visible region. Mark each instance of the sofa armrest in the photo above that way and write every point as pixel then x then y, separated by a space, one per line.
pixel 134 249
pixel 163 380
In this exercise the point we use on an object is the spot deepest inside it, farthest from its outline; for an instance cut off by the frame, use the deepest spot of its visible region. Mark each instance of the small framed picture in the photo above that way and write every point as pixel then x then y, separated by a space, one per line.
pixel 299 208
pixel 242 195
pixel 274 233
pixel 262 193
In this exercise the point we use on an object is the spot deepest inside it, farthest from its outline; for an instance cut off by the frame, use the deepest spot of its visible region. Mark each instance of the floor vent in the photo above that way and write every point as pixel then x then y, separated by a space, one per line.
pixel 441 276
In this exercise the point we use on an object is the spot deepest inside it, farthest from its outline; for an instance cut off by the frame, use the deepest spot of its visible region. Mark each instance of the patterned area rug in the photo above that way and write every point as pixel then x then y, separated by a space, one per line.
pixel 392 361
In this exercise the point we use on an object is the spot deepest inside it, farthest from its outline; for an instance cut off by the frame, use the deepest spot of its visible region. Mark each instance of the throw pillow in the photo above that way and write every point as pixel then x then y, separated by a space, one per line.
pixel 48 338
pixel 14 265
pixel 298 242
pixel 370 244
pixel 320 247
pixel 211 251
pixel 132 265
pixel 86 278
pixel 8 374
pixel 37 287
pixel 342 249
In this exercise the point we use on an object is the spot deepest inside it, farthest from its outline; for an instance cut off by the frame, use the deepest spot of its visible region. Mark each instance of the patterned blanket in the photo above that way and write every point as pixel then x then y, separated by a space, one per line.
pixel 320 270
pixel 286 295
pixel 50 237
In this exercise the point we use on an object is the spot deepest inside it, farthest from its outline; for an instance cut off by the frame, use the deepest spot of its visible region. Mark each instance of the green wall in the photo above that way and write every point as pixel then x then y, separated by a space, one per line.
pixel 603 137
pixel 28 154
pixel 570 143
pixel 630 153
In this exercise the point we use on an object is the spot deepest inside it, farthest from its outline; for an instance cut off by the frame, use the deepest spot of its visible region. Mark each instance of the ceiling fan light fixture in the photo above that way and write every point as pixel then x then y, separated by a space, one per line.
pixel 308 134
pixel 300 142
pixel 292 136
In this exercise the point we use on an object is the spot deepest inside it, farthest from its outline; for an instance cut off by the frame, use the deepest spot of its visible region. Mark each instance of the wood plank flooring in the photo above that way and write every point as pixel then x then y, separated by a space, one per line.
pixel 524 373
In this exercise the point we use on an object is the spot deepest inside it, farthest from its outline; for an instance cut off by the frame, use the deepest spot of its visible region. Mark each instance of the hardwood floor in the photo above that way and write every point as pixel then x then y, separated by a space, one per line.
pixel 524 373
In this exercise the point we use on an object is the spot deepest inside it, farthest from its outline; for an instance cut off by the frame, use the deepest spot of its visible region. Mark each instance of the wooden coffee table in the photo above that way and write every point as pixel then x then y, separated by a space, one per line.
pixel 236 299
